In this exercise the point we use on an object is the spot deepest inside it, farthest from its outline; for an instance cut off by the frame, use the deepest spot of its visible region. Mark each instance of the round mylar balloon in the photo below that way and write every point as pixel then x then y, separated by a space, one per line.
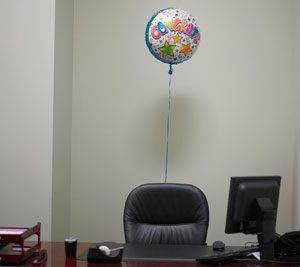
pixel 172 35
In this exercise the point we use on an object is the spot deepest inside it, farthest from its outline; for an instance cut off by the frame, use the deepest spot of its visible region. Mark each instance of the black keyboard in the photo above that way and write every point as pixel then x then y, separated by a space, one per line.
pixel 228 255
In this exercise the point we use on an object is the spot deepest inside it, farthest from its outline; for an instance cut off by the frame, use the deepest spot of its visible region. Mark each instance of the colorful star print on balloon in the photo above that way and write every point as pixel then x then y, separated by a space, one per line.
pixel 172 35
pixel 177 39
pixel 186 49
pixel 167 49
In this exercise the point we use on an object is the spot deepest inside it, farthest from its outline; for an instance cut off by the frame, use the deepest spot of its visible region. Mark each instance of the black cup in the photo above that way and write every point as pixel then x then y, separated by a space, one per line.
pixel 70 247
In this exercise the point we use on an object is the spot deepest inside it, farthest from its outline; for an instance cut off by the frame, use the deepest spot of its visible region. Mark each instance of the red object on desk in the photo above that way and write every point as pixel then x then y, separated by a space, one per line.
pixel 16 251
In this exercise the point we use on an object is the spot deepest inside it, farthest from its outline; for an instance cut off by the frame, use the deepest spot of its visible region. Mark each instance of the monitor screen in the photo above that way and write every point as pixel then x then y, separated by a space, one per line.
pixel 251 200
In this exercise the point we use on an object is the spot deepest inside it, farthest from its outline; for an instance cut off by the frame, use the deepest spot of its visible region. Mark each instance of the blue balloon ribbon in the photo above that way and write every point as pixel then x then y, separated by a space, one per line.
pixel 168 123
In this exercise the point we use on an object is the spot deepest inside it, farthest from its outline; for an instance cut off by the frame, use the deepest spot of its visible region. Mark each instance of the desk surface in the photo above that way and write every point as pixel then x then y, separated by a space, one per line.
pixel 56 258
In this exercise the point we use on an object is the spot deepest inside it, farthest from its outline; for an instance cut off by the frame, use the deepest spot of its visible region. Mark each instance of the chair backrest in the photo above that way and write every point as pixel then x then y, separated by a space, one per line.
pixel 166 213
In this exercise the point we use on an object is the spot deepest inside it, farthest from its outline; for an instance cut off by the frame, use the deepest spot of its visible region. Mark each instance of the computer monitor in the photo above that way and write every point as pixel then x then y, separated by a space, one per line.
pixel 252 209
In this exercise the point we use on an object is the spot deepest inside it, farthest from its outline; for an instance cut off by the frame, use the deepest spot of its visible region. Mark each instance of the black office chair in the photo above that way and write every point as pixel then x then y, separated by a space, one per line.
pixel 166 214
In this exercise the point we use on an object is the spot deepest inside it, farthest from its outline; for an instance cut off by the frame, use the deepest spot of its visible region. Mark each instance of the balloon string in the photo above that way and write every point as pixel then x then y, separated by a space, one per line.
pixel 168 123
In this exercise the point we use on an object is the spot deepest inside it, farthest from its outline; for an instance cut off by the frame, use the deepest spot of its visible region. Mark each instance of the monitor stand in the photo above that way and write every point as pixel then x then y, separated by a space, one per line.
pixel 267 221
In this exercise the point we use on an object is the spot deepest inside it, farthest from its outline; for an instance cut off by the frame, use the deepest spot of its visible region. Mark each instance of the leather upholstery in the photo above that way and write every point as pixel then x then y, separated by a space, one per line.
pixel 166 213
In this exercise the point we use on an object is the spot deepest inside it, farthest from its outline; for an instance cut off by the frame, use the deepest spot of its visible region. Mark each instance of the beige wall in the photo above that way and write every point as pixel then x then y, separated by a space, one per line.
pixel 62 119
pixel 231 110
pixel 297 111
pixel 26 112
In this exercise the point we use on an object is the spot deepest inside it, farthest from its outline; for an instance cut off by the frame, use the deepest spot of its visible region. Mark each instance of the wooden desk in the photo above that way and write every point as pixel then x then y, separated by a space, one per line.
pixel 56 258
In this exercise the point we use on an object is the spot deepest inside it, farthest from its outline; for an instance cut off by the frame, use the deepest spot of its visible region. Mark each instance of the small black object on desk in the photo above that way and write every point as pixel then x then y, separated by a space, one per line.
pixel 218 246
pixel 96 255
pixel 70 247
